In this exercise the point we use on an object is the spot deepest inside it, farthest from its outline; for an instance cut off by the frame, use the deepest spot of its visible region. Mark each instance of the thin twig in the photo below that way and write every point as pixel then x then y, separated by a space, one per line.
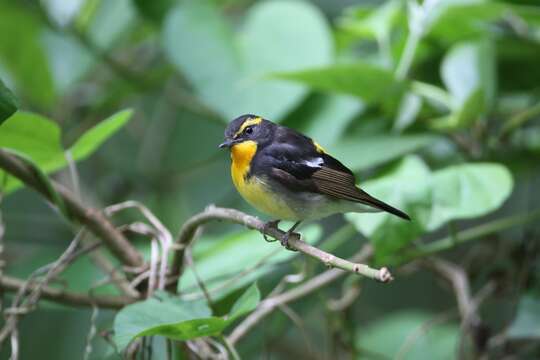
pixel 422 330
pixel 297 320
pixel 351 291
pixel 467 304
pixel 91 332
pixel 212 213
pixel 198 279
pixel 268 305
pixel 66 297
pixel 230 282
pixel 464 236
pixel 163 235
pixel 22 305
pixel 230 348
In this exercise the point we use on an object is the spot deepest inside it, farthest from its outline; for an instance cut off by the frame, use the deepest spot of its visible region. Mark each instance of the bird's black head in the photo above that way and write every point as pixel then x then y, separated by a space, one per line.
pixel 246 128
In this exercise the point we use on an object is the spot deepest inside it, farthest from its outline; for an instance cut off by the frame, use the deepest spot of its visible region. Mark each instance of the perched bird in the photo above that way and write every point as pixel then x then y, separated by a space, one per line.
pixel 288 176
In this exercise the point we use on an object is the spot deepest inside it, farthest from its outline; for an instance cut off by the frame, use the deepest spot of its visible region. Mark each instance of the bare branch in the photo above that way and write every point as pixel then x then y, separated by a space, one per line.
pixel 467 304
pixel 68 298
pixel 268 305
pixel 212 213
pixel 351 291
pixel 94 220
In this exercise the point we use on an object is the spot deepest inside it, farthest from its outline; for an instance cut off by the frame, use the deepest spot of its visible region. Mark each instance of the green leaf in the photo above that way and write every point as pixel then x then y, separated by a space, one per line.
pixel 457 20
pixel 468 71
pixel 8 103
pixel 100 24
pixel 369 82
pixel 377 25
pixel 325 117
pixel 410 106
pixel 468 67
pixel 408 188
pixel 222 260
pixel 526 325
pixel 36 137
pixel 92 139
pixel 23 55
pixel 363 152
pixel 109 21
pixel 468 191
pixel 431 199
pixel 39 139
pixel 68 59
pixel 176 319
pixel 228 69
pixel 408 335
pixel 464 116
pixel 154 316
pixel 246 303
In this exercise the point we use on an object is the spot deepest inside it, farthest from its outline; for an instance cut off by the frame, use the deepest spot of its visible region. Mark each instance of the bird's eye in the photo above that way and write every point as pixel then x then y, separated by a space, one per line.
pixel 249 130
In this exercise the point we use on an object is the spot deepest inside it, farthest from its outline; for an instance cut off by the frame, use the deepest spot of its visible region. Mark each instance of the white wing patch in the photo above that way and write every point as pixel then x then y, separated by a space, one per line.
pixel 315 162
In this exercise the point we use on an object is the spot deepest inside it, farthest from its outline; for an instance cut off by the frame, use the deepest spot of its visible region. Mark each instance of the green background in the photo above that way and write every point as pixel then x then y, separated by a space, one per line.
pixel 435 107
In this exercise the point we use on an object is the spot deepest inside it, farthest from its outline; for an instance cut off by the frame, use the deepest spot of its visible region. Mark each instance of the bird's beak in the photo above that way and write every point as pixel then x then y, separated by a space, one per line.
pixel 226 144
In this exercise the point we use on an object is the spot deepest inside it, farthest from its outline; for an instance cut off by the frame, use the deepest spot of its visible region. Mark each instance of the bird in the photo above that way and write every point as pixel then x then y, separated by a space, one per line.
pixel 288 176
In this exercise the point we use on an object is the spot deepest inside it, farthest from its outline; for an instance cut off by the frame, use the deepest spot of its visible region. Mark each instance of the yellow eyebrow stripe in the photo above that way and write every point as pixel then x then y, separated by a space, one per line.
pixel 249 122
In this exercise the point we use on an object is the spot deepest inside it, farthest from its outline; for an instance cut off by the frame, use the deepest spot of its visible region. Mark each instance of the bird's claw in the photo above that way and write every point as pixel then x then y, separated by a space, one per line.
pixel 285 240
pixel 267 226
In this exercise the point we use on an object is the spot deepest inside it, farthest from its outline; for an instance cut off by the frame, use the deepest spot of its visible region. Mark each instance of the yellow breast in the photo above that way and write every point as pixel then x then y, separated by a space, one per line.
pixel 253 189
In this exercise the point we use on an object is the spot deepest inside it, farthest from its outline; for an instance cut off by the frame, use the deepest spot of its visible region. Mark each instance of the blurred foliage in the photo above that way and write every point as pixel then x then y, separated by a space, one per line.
pixel 456 82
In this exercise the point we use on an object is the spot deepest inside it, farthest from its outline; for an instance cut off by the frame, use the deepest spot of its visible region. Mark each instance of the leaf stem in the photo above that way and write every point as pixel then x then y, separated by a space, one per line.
pixel 520 118
pixel 468 235
pixel 230 348
pixel 407 57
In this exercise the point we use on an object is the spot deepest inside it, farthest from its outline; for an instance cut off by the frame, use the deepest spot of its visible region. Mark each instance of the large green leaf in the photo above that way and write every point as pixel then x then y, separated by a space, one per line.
pixel 431 199
pixel 367 81
pixel 176 319
pixel 92 139
pixel 228 70
pixel 39 139
pixel 526 325
pixel 222 261
pixel 405 335
pixel 467 191
pixel 154 314
pixel 8 103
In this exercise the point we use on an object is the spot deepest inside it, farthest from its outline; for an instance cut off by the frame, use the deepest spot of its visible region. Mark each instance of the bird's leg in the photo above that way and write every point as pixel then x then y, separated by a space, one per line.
pixel 285 239
pixel 270 225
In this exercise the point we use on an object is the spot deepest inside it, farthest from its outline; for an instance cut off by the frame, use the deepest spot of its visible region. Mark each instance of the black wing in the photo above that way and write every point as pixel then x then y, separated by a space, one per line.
pixel 298 164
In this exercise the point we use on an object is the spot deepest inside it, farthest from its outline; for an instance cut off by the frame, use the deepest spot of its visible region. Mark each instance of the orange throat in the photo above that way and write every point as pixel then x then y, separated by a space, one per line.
pixel 241 155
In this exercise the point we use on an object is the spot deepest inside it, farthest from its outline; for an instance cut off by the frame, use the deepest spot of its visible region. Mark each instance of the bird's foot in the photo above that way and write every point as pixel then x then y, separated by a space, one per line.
pixel 285 239
pixel 270 225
